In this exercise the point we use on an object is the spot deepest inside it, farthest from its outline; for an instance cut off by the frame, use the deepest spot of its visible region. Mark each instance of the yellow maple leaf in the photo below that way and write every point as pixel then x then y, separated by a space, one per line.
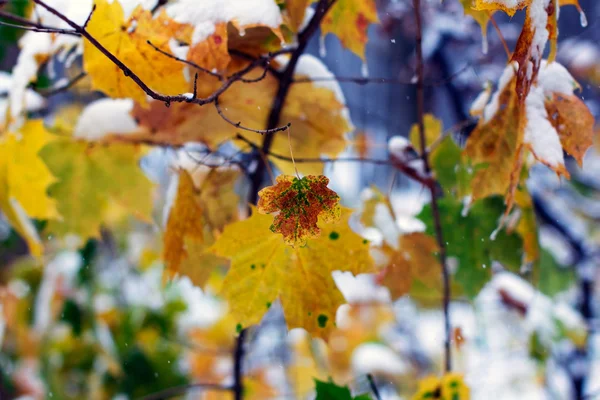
pixel 128 41
pixel 349 20
pixel 299 203
pixel 200 211
pixel 185 222
pixel 250 104
pixel 264 268
pixel 91 177
pixel 24 181
pixel 415 259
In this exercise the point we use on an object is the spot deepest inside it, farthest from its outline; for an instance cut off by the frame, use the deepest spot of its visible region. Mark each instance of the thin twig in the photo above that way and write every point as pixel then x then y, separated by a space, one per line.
pixel 434 203
pixel 500 35
pixel 239 124
pixel 24 23
pixel 89 17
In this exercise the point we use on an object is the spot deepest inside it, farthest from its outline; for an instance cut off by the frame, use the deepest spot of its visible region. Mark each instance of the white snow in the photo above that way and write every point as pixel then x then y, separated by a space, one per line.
pixel 540 135
pixel 539 132
pixel 314 68
pixel 104 117
pixel 539 21
pixel 377 358
pixel 32 100
pixel 361 288
pixel 204 15
pixel 59 275
pixel 507 75
pixel 398 147
pixel 481 100
pixel 203 310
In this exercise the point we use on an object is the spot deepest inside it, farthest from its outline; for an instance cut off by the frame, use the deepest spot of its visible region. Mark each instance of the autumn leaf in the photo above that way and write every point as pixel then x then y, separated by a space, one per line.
pixel 573 122
pixel 264 268
pixel 185 222
pixel 299 203
pixel 91 178
pixel 509 127
pixel 305 104
pixel 349 20
pixel 128 41
pixel 495 141
pixel 204 205
pixel 24 180
pixel 214 28
pixel 295 11
pixel 414 259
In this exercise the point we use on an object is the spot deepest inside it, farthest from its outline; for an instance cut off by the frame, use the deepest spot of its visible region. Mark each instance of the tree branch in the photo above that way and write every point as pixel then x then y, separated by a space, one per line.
pixel 181 98
pixel 285 82
pixel 238 361
pixel 434 203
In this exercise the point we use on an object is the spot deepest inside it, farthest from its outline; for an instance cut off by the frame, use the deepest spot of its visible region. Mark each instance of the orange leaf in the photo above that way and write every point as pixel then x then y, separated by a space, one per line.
pixel 573 122
pixel 415 259
pixel 299 204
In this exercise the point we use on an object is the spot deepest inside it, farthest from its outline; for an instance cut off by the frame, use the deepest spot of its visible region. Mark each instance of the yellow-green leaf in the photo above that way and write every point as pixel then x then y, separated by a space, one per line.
pixel 90 178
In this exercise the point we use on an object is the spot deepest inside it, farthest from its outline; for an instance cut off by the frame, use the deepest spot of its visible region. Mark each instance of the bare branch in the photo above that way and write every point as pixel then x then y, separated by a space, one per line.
pixel 434 202
pixel 181 98
pixel 239 124
pixel 24 23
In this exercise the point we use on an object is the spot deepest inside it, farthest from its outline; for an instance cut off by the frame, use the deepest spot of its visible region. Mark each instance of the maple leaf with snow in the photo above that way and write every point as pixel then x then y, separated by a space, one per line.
pixel 549 120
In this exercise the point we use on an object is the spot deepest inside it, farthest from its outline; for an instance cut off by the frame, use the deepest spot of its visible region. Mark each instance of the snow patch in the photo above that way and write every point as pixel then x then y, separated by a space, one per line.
pixel 204 15
pixel 104 117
